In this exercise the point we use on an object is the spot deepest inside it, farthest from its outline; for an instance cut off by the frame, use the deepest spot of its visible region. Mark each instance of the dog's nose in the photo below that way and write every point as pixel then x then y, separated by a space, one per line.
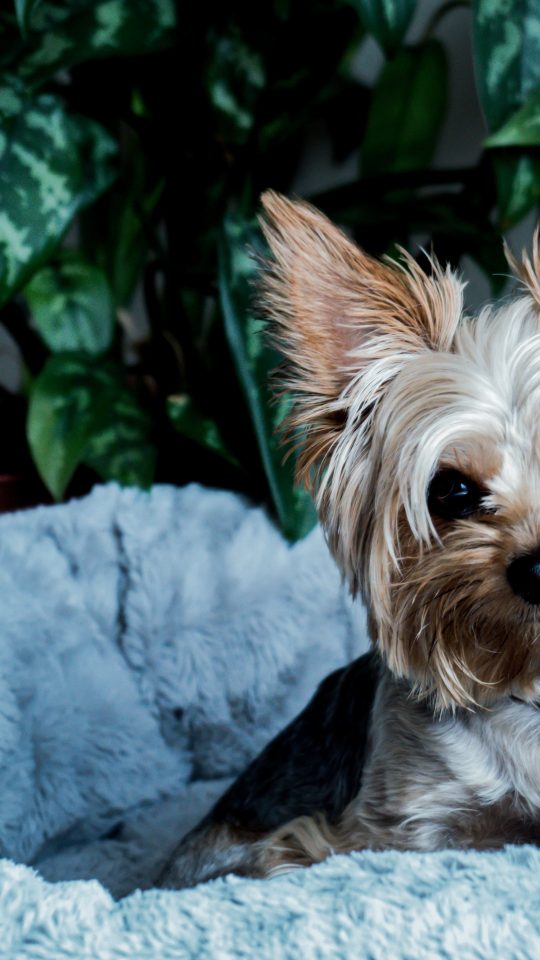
pixel 524 576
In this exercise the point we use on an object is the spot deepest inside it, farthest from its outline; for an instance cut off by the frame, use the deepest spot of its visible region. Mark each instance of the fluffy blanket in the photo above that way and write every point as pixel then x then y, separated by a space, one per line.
pixel 368 906
pixel 151 644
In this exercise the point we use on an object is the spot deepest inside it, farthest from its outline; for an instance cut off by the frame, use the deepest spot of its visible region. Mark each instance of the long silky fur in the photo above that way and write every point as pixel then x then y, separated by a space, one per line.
pixel 390 380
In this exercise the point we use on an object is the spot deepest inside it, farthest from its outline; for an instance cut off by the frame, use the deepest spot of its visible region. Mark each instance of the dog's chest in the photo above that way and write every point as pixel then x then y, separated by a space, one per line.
pixel 492 794
pixel 468 780
pixel 496 754
pixel 496 825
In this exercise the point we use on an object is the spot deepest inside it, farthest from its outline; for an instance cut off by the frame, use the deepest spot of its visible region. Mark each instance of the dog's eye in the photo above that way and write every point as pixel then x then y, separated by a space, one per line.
pixel 452 495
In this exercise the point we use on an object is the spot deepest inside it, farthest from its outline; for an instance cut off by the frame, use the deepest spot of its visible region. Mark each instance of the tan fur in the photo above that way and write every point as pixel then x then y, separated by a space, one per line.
pixel 463 781
pixel 417 385
pixel 528 268
pixel 392 382
pixel 421 386
pixel 339 298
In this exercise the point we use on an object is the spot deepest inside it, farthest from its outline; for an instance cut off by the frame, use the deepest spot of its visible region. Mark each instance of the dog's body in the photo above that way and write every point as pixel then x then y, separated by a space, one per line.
pixel 314 765
pixel 383 771
pixel 421 436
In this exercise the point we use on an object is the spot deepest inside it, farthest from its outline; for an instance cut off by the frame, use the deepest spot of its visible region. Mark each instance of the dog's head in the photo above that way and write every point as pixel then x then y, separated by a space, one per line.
pixel 420 434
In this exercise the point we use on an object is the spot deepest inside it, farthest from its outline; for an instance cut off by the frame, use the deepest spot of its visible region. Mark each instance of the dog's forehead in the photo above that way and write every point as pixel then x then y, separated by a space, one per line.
pixel 509 469
pixel 475 407
pixel 500 353
pixel 516 477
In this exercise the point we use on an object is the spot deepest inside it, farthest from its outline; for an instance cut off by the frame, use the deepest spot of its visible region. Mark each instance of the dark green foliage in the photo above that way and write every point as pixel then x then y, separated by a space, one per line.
pixel 135 139
pixel 523 127
pixel 52 165
pixel 71 305
pixel 255 362
pixel 190 422
pixel 81 411
pixel 507 51
pixel 387 20
pixel 407 110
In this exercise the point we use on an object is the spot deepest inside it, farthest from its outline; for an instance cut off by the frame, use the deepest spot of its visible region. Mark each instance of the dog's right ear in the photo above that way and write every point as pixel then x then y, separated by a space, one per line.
pixel 336 310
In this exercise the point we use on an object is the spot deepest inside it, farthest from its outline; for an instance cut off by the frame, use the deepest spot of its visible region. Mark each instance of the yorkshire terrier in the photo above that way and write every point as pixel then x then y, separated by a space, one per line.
pixel 420 431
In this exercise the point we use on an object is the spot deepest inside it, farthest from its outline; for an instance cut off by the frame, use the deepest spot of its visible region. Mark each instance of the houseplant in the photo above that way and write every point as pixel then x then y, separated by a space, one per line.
pixel 136 138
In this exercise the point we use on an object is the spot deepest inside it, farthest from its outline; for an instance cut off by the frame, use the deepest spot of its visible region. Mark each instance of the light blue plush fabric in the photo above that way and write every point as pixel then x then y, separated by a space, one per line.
pixel 367 906
pixel 150 644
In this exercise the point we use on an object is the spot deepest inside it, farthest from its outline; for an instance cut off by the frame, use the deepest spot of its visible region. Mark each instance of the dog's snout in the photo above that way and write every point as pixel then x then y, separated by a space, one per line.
pixel 524 576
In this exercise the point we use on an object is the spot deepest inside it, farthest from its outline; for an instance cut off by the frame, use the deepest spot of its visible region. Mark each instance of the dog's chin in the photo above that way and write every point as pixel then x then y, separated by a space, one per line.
pixel 521 630
pixel 454 660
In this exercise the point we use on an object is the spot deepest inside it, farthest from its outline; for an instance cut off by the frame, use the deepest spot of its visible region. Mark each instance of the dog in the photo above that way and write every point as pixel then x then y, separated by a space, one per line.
pixel 419 433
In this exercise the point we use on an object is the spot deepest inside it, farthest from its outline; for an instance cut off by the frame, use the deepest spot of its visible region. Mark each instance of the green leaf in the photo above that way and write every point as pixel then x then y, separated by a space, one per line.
pixel 517 176
pixel 23 12
pixel 254 362
pixel 507 55
pixel 387 20
pixel 122 449
pixel 117 233
pixel 130 211
pixel 71 305
pixel 81 411
pixel 523 127
pixel 65 411
pixel 518 185
pixel 407 110
pixel 52 165
pixel 235 78
pixel 191 423
pixel 104 29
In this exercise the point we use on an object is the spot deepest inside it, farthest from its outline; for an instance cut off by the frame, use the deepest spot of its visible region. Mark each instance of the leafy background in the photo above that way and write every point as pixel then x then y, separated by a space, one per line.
pixel 135 139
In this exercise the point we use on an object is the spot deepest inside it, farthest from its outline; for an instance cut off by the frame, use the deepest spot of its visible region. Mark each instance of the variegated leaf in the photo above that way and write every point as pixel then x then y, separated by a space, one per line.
pixel 81 411
pixel 52 165
pixel 518 185
pixel 523 127
pixel 122 450
pixel 254 362
pixel 387 20
pixel 104 29
pixel 235 79
pixel 192 423
pixel 507 54
pixel 23 12
pixel 64 412
pixel 71 305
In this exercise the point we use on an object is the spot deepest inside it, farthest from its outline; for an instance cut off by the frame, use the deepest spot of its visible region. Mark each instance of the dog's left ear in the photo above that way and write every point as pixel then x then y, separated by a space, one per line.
pixel 528 268
pixel 337 311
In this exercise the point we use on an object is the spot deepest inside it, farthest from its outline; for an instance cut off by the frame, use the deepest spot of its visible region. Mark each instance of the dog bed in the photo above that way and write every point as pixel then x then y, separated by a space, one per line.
pixel 151 644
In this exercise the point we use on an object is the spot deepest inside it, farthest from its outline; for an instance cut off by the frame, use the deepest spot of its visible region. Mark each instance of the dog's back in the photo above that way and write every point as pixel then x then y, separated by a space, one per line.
pixel 314 766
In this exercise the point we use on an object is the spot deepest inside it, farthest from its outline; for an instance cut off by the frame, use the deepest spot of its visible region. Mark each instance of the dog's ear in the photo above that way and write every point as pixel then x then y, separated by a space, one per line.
pixel 528 268
pixel 336 311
